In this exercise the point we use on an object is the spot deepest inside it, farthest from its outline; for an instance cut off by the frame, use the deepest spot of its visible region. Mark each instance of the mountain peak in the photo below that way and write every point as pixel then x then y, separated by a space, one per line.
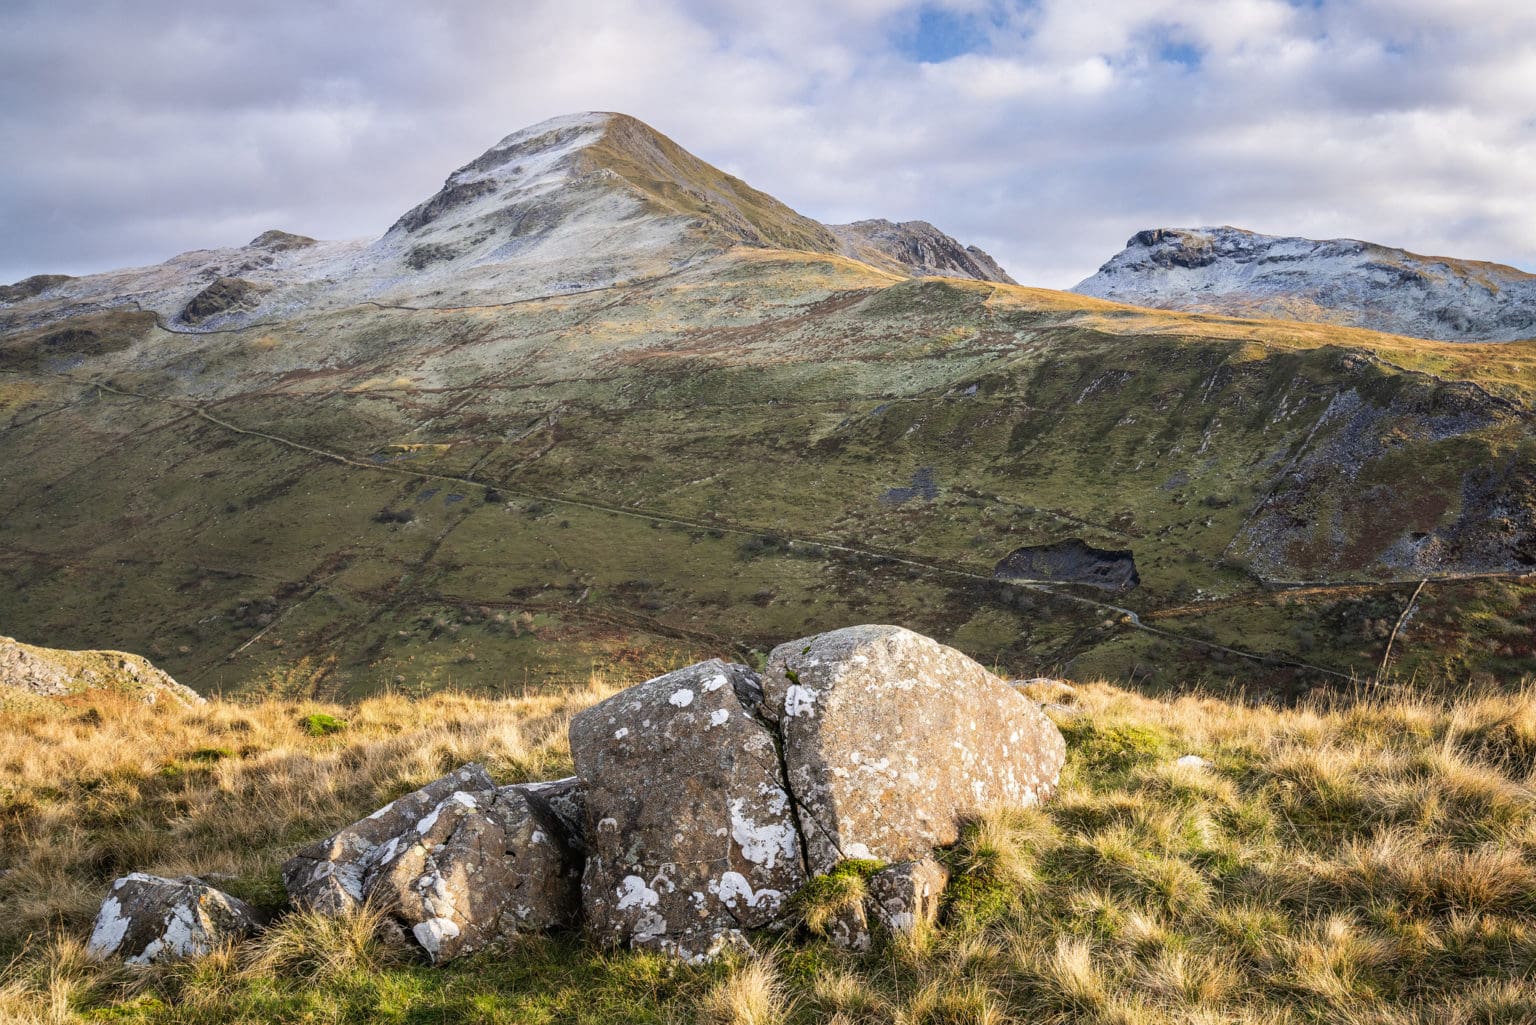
pixel 1342 281
pixel 579 156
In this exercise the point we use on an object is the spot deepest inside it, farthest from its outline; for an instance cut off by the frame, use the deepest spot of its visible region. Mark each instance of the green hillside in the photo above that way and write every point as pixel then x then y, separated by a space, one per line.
pixel 771 444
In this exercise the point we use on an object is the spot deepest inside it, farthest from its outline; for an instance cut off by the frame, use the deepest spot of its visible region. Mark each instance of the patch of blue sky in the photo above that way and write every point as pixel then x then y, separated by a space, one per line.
pixel 937 35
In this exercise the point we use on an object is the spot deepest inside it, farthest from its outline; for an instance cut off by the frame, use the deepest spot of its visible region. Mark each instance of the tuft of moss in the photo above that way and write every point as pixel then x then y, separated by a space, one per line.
pixel 1114 747
pixel 825 898
pixel 322 724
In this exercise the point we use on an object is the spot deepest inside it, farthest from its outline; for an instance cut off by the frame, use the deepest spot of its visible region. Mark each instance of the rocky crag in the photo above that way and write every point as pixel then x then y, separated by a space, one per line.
pixel 703 802
pixel 54 673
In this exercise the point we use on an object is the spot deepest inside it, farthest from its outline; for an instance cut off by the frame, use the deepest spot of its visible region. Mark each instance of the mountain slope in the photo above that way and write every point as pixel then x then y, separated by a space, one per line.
pixel 750 443
pixel 1341 281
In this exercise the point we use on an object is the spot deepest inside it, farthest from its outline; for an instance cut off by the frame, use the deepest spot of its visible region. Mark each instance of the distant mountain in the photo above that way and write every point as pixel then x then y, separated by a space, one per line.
pixel 568 205
pixel 1341 281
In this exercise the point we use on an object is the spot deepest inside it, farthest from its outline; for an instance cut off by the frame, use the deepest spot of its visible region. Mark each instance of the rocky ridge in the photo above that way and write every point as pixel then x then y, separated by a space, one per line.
pixel 1339 281
pixel 916 247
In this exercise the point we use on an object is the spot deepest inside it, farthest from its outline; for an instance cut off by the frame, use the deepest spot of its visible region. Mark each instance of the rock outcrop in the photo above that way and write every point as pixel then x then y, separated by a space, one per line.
pixel 1338 281
pixel 891 740
pixel 1070 562
pixel 276 240
pixel 916 247
pixel 704 800
pixel 149 918
pixel 458 864
pixel 56 672
pixel 30 288
pixel 224 295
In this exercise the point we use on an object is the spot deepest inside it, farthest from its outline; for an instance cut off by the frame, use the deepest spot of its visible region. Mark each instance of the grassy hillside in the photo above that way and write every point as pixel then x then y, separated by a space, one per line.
pixel 502 497
pixel 1369 861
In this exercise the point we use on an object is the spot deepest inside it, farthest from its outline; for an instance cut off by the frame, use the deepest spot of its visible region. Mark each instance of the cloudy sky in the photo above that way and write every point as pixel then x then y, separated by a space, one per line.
pixel 1046 131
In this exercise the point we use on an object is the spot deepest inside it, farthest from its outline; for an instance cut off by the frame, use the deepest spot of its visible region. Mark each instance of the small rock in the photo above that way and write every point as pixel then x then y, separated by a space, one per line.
pixel 333 876
pixel 459 864
pixel 904 897
pixel 148 918
pixel 849 929
pixel 1192 762
pixel 480 867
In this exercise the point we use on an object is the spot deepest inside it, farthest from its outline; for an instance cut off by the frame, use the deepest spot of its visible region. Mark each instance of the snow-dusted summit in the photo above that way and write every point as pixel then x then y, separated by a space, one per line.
pixel 571 204
pixel 1341 281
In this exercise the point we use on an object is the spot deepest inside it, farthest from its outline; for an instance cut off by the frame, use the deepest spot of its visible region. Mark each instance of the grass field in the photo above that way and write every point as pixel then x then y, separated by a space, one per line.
pixel 1367 860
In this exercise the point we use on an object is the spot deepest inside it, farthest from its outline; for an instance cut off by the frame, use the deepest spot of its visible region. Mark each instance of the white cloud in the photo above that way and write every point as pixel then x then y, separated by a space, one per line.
pixel 130 132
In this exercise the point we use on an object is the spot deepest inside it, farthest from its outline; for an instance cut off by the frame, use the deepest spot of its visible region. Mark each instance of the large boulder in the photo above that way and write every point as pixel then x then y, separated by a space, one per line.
pixel 459 864
pixel 690 830
pixel 892 740
pixel 149 918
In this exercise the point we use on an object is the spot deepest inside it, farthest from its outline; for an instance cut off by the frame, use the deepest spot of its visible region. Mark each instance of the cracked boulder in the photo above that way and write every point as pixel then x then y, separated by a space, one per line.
pixel 149 918
pixel 459 864
pixel 891 740
pixel 690 831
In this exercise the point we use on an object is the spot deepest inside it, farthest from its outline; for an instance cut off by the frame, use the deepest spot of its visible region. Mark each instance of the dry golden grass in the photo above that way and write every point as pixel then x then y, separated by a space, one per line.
pixel 751 995
pixel 97 788
pixel 1369 862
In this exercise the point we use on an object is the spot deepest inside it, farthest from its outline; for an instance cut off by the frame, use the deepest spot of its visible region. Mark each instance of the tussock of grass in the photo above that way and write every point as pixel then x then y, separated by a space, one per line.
pixel 750 995
pixel 1365 863
pixel 314 947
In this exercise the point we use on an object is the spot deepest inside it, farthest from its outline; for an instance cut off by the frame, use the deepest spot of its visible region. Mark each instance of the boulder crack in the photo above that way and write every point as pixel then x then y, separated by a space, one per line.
pixel 754 709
